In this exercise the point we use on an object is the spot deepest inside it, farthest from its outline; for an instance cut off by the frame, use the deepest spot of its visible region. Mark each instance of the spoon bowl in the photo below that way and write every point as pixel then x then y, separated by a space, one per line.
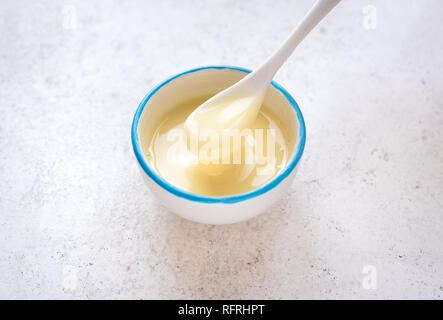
pixel 207 81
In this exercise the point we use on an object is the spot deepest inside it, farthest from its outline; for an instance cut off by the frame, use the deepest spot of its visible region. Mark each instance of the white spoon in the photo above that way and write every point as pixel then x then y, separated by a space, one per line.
pixel 237 106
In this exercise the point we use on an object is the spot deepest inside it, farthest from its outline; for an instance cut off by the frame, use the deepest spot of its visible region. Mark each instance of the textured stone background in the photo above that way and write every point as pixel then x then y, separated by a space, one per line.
pixel 77 221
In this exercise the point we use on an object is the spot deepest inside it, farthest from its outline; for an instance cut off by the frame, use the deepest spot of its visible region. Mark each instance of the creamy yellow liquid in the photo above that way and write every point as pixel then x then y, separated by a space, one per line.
pixel 179 167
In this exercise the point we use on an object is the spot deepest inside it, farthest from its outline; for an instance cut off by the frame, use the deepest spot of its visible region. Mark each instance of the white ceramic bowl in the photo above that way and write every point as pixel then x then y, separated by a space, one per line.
pixel 206 209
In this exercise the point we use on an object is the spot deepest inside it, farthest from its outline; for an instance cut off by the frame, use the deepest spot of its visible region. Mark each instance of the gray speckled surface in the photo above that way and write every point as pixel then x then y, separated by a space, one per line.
pixel 77 221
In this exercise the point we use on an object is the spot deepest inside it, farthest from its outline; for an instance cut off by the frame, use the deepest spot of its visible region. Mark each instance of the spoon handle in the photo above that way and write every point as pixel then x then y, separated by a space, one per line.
pixel 267 71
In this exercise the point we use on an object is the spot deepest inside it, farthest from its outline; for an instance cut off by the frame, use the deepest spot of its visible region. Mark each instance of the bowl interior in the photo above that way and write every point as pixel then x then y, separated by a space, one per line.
pixel 207 82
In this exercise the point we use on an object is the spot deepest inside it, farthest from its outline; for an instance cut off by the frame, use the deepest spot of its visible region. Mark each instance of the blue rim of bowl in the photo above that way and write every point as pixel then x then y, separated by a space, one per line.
pixel 225 199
